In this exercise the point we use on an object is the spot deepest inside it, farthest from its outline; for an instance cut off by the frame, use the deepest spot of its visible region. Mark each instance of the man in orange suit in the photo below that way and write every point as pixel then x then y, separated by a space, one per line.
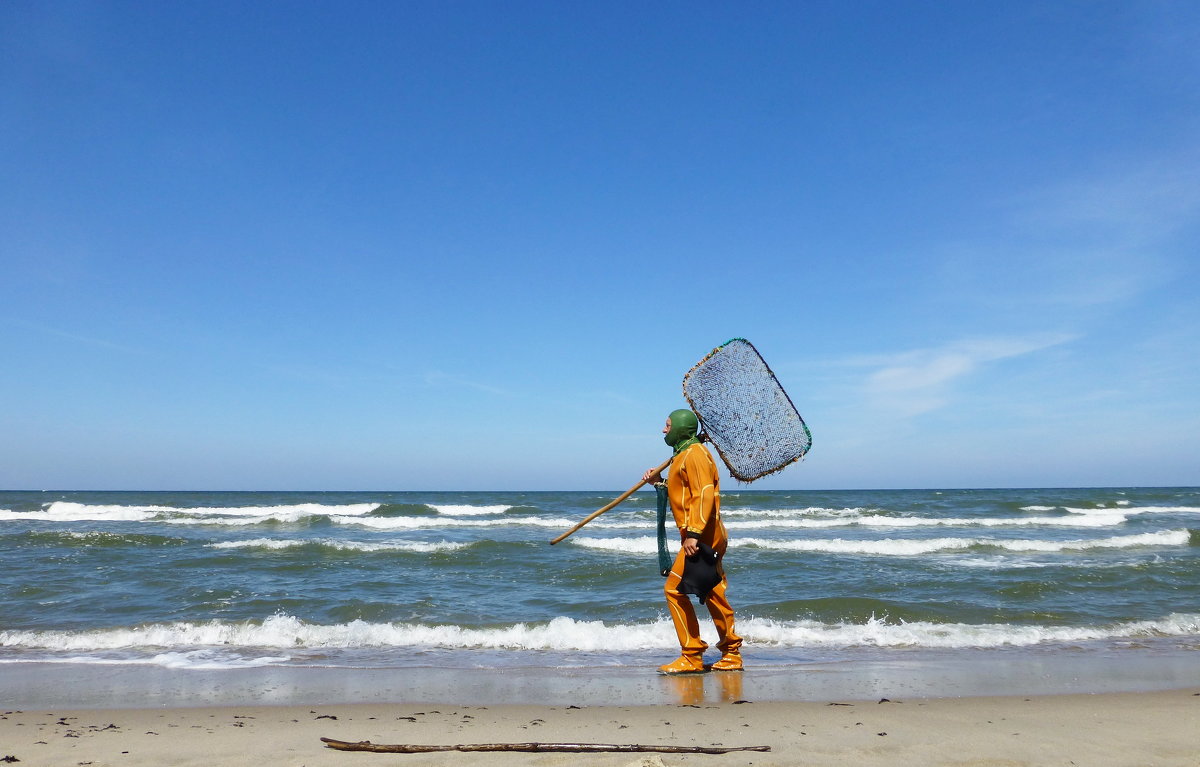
pixel 693 488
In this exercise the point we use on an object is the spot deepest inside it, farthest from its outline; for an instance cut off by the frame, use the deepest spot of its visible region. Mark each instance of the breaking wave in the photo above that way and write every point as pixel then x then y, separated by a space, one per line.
pixel 906 546
pixel 468 510
pixel 273 544
pixel 193 644
pixel 66 511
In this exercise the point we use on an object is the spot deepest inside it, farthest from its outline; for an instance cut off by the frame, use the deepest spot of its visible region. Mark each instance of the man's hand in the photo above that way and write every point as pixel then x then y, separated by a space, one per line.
pixel 652 477
pixel 691 547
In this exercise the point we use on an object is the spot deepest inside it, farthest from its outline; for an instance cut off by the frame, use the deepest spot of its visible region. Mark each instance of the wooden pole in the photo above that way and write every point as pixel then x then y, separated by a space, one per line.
pixel 570 748
pixel 616 501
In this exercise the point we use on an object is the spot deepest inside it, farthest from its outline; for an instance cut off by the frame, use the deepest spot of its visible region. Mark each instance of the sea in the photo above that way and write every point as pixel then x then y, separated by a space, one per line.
pixel 469 580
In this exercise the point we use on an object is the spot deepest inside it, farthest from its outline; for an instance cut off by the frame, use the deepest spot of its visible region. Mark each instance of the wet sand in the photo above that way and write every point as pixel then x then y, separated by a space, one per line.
pixel 50 686
pixel 985 710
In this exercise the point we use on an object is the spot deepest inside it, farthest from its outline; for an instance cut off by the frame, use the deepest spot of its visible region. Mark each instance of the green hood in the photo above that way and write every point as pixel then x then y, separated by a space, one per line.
pixel 684 426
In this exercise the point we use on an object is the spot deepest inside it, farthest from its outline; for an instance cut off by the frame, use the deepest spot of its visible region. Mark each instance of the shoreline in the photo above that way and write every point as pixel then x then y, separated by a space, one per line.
pixel 1126 729
pixel 41 685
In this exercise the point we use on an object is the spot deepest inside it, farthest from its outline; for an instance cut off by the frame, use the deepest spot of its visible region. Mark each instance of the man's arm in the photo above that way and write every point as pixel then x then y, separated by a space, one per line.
pixel 701 495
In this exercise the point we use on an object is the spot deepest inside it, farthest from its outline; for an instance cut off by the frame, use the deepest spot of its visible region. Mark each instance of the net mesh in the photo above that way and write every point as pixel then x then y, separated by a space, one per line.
pixel 744 411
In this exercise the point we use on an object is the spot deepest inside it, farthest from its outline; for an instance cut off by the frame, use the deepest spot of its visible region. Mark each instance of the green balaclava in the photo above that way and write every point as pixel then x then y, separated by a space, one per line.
pixel 682 433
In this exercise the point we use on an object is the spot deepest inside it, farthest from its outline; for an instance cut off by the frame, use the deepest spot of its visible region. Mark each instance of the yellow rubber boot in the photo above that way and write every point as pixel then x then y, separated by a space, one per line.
pixel 730 661
pixel 684 664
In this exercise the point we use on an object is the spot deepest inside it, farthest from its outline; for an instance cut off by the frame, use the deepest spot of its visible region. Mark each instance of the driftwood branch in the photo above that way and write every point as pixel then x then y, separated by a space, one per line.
pixel 570 748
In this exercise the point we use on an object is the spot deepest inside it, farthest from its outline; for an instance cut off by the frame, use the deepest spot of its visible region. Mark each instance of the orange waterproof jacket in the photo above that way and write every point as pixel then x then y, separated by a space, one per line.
pixel 693 487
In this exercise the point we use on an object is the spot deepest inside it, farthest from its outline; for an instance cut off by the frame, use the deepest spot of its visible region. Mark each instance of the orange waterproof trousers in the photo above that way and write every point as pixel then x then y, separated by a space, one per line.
pixel 683 614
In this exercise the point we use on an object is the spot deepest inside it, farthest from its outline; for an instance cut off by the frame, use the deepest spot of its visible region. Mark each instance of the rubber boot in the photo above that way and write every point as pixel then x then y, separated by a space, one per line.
pixel 684 664
pixel 730 661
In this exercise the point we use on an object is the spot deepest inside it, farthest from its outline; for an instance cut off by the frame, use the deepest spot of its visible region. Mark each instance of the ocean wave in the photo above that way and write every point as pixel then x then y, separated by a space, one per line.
pixel 911 547
pixel 1092 520
pixel 1120 507
pixel 881 632
pixel 288 632
pixel 808 511
pixel 789 524
pixel 67 511
pixel 196 660
pixel 274 544
pixel 412 523
pixel 468 510
pixel 1132 510
pixel 1097 520
pixel 1006 562
pixel 302 509
pixel 640 545
pixel 94 538
pixel 193 644
pixel 281 517
pixel 62 511
pixel 903 546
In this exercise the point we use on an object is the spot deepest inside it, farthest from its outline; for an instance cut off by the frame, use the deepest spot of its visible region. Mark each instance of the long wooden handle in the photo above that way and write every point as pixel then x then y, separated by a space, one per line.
pixel 617 500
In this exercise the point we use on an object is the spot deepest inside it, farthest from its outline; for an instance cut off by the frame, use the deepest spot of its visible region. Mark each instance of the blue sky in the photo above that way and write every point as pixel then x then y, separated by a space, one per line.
pixel 476 245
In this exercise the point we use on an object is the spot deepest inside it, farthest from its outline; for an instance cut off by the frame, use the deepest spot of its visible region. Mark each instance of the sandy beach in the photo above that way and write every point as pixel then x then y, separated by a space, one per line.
pixel 1110 729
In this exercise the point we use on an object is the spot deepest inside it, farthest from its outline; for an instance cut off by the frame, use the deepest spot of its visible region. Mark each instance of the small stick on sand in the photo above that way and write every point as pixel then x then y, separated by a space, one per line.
pixel 571 748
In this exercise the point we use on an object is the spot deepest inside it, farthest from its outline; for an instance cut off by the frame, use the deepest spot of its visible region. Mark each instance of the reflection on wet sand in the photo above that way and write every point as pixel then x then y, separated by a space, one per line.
pixel 694 689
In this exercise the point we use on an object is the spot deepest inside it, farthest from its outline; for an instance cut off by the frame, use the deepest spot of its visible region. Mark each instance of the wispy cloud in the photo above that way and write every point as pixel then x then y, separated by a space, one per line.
pixel 919 381
pixel 1131 207
pixel 1095 241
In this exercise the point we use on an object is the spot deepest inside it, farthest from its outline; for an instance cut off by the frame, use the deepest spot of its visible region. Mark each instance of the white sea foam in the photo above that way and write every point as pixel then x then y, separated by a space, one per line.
pixel 880 632
pixel 639 545
pixel 1118 507
pixel 298 509
pixel 467 510
pixel 67 511
pixel 97 536
pixel 282 517
pixel 1091 520
pixel 287 632
pixel 213 659
pixel 412 523
pixel 208 658
pixel 903 546
pixel 805 512
pixel 1132 510
pixel 887 546
pixel 419 547
pixel 910 547
pixel 1096 520
pixel 195 645
pixel 1009 562
pixel 789 524
pixel 62 511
